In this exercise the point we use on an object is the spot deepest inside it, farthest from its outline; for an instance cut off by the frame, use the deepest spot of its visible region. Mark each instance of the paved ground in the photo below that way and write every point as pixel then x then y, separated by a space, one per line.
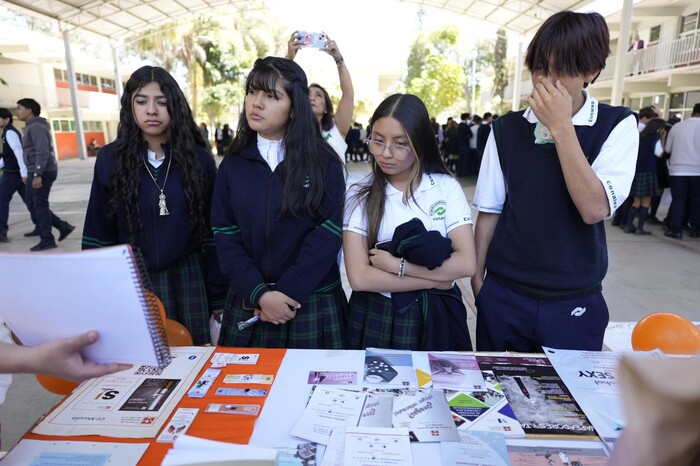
pixel 647 274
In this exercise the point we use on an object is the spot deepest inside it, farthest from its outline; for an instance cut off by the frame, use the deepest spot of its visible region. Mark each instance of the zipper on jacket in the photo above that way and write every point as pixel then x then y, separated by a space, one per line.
pixel 267 226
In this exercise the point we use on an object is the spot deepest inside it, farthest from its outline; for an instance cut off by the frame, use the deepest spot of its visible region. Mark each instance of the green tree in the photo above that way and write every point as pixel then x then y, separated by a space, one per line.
pixel 433 70
pixel 500 68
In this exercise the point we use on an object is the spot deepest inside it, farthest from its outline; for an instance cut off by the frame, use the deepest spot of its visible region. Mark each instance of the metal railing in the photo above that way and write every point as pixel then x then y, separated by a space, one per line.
pixel 678 53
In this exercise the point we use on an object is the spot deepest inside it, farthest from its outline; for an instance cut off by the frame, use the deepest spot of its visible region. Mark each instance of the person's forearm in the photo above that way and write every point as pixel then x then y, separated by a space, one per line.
pixel 584 186
pixel 484 229
pixel 18 359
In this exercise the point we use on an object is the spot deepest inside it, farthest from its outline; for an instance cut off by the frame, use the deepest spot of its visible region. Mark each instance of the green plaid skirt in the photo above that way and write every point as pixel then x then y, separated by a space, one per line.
pixel 645 184
pixel 182 289
pixel 372 322
pixel 320 323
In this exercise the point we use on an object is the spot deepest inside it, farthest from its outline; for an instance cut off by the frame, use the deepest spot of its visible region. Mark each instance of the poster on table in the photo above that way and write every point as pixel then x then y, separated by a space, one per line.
pixel 134 403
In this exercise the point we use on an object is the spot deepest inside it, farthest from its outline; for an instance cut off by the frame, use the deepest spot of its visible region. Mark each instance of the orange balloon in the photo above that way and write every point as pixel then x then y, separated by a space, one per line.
pixel 671 333
pixel 178 335
pixel 55 384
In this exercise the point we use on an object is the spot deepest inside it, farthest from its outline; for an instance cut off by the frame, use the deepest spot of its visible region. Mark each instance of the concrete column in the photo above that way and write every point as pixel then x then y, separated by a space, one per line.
pixel 621 53
pixel 518 77
pixel 117 72
pixel 80 134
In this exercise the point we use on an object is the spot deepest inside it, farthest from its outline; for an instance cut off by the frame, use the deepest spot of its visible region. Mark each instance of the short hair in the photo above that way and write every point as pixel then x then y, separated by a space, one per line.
pixel 571 44
pixel 647 112
pixel 5 113
pixel 696 108
pixel 31 104
pixel 487 115
pixel 464 116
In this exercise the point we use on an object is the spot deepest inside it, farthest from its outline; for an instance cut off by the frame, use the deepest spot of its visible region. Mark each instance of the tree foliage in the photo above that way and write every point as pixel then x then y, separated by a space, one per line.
pixel 434 72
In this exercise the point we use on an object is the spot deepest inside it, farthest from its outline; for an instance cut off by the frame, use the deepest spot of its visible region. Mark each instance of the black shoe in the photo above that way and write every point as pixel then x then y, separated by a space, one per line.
pixel 34 232
pixel 65 232
pixel 615 223
pixel 43 246
pixel 629 230
pixel 673 235
pixel 4 239
pixel 654 221
pixel 642 232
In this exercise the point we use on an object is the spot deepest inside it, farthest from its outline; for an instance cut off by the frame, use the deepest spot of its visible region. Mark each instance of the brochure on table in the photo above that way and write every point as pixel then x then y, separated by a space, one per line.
pixel 474 447
pixel 60 452
pixel 591 376
pixel 134 403
pixel 541 451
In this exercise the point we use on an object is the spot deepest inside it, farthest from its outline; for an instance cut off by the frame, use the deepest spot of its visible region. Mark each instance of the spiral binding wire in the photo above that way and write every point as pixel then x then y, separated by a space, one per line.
pixel 156 326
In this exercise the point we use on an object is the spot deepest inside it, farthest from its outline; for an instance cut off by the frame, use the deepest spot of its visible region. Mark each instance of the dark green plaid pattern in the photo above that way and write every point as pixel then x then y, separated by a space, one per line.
pixel 320 323
pixel 182 289
pixel 372 322
pixel 645 184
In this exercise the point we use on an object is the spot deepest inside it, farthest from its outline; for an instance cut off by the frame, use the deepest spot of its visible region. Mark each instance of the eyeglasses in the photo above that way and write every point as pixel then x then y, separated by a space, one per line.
pixel 398 151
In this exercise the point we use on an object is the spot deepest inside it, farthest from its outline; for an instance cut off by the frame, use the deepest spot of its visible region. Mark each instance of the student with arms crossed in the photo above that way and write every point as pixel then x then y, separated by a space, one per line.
pixel 152 189
pixel 549 176
pixel 409 180
pixel 276 219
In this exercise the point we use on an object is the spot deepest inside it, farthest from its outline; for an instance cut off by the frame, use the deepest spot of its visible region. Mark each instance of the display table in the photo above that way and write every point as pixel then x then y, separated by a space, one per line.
pixel 281 409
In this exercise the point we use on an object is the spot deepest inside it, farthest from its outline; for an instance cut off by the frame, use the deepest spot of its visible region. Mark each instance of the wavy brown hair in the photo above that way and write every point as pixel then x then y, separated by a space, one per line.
pixel 183 137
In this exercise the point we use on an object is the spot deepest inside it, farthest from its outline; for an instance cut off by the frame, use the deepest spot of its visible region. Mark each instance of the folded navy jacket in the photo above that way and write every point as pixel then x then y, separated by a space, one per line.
pixel 444 314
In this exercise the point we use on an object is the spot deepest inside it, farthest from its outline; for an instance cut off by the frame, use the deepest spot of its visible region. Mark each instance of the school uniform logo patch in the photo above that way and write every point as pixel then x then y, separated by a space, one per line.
pixel 578 311
pixel 438 210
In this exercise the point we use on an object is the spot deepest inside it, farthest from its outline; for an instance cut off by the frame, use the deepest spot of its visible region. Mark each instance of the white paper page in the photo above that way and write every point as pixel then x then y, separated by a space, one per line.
pixel 377 446
pixel 385 368
pixel 328 408
pixel 591 377
pixel 134 403
pixel 59 452
pixel 290 392
pixel 335 450
pixel 79 291
pixel 476 448
pixel 426 415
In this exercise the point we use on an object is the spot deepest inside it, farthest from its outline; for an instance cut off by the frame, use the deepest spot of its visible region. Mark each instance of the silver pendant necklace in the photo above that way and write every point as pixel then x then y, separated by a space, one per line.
pixel 161 198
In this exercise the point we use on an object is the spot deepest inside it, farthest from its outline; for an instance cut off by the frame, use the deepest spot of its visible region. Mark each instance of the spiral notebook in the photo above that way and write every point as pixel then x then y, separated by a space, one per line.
pixel 58 295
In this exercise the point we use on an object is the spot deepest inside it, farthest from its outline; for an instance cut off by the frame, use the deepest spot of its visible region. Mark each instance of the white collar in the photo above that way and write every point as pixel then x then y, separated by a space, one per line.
pixel 271 151
pixel 586 116
pixel 153 160
pixel 428 181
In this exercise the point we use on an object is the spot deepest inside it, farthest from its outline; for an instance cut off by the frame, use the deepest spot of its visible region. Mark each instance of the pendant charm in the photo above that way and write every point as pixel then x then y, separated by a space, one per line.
pixel 162 205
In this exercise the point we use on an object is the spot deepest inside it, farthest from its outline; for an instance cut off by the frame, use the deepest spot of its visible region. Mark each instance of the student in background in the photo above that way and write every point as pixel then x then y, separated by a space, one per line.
pixel 276 219
pixel 334 126
pixel 566 163
pixel 152 189
pixel 409 180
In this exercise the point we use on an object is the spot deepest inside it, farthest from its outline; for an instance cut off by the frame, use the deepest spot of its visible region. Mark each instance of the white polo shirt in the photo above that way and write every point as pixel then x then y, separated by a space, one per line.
pixel 336 140
pixel 439 202
pixel 614 166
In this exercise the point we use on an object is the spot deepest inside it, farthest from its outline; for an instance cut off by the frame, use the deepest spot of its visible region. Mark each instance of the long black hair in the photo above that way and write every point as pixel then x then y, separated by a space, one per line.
pixel 304 146
pixel 410 111
pixel 327 118
pixel 182 137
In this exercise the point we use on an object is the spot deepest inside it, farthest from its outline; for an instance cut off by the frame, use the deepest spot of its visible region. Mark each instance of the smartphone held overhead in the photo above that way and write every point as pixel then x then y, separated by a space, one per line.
pixel 312 39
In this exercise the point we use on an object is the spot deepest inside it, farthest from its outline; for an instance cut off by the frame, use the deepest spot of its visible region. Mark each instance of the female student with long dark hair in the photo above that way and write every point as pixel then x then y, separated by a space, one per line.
pixel 409 180
pixel 277 214
pixel 152 188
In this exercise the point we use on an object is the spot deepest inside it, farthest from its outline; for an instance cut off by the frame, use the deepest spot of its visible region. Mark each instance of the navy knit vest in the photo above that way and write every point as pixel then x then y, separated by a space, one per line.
pixel 11 165
pixel 541 244
pixel 646 159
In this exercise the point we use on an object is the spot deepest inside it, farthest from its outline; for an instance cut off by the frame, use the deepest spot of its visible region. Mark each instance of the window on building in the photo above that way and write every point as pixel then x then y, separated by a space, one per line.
pixel 635 103
pixel 64 126
pixel 689 23
pixel 678 100
pixel 108 84
pixel 59 75
pixel 655 34
pixel 56 125
pixel 692 98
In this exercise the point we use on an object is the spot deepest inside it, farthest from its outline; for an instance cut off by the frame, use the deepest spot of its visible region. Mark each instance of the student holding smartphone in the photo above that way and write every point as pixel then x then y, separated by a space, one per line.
pixel 409 181
pixel 334 126
pixel 276 219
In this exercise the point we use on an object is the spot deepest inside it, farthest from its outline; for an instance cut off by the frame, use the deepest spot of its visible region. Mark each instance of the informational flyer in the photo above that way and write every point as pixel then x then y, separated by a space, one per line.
pixel 539 452
pixel 541 401
pixel 426 416
pixel 327 408
pixel 377 446
pixel 134 403
pixel 591 376
pixel 452 371
pixel 59 452
pixel 385 368
pixel 475 448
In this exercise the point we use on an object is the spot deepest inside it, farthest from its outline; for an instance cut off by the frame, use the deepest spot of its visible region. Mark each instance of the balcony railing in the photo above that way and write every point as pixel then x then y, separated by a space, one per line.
pixel 665 56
